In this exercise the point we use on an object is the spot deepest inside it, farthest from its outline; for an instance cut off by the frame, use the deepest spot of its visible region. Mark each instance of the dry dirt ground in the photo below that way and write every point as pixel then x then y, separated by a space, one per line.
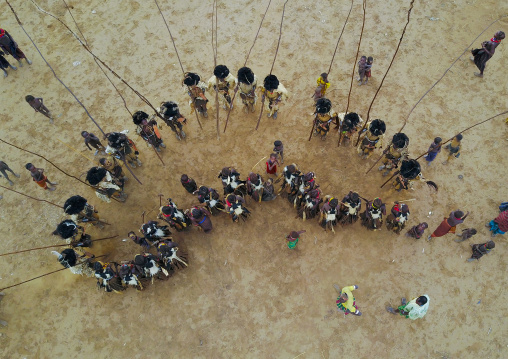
pixel 245 294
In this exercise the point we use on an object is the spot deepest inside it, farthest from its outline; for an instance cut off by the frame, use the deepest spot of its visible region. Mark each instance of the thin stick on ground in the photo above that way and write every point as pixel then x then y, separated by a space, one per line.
pixel 430 89
pixel 386 73
pixel 36 199
pixel 245 63
pixel 274 58
pixel 364 4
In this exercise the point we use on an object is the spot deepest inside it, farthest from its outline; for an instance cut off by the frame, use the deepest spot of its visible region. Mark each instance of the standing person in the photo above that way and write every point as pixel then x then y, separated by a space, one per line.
pixel 247 83
pixel 372 218
pixel 148 130
pixel 418 230
pixel 499 225
pixel 271 165
pixel 309 206
pixel 466 234
pixel 350 125
pixel 362 67
pixel 397 151
pixel 4 64
pixel 231 182
pixel 196 91
pixel 81 211
pixel 94 141
pixel 73 234
pixel 323 117
pixel 105 185
pixel 479 250
pixel 322 86
pixel 275 92
pixel 5 167
pixel 120 144
pixel 453 148
pixel 255 186
pixel 172 215
pixel 69 259
pixel 449 224
pixel 373 138
pixel 346 301
pixel 39 177
pixel 211 199
pixel 329 213
pixel 112 165
pixel 38 105
pixel 141 241
pixel 236 209
pixel 481 56
pixel 368 68
pixel 173 118
pixel 268 191
pixel 188 183
pixel 434 149
pixel 8 45
pixel 222 81
pixel 349 208
pixel 278 148
pixel 200 217
pixel 415 309
pixel 292 239
pixel 396 220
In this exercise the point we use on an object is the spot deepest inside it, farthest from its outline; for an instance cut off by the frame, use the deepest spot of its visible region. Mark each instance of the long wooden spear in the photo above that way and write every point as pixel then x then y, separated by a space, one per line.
pixel 245 63
pixel 54 246
pixel 274 58
pixel 176 51
pixel 386 73
pixel 439 80
pixel 214 48
pixel 364 5
pixel 43 275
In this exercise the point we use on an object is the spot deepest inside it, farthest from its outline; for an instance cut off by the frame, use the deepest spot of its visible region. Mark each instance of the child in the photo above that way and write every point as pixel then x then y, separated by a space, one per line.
pixel 417 231
pixel 322 86
pixel 434 149
pixel 453 148
pixel 188 183
pixel 362 67
pixel 292 238
pixel 38 105
pixel 480 249
pixel 271 165
pixel 39 177
pixel 278 148
pixel 466 234
pixel 368 66
pixel 346 301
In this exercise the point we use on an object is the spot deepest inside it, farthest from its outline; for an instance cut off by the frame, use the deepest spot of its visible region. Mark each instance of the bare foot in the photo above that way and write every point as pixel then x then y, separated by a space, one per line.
pixel 391 310
pixel 478 74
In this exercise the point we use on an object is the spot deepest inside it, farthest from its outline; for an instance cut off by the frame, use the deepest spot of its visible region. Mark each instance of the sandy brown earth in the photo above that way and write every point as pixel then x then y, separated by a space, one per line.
pixel 245 295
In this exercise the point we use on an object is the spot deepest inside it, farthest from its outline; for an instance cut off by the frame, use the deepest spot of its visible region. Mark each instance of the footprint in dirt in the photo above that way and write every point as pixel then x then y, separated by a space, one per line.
pixel 329 314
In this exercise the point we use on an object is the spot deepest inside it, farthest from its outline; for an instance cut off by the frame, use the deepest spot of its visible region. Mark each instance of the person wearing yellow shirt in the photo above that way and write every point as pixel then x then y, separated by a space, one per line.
pixel 346 301
pixel 322 86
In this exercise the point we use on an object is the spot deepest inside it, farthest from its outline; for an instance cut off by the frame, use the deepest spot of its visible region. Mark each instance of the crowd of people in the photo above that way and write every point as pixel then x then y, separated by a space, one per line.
pixel 161 256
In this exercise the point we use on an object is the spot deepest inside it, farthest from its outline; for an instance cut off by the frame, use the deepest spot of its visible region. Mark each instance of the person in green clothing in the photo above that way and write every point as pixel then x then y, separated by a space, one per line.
pixel 292 238
pixel 415 309
pixel 346 301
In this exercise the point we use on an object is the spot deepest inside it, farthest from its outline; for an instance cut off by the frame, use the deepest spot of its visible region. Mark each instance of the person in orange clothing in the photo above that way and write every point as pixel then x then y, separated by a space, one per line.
pixel 39 177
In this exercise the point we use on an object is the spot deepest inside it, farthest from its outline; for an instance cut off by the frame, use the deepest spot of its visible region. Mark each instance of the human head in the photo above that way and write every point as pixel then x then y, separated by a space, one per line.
pixel 138 117
pixel 323 105
pixel 499 35
pixel 231 198
pixel 458 214
pixel 377 203
pixel 95 175
pixel 293 234
pixel 184 178
pixel 74 205
pixel 221 72
pixel 131 235
pixel 473 231
pixel 334 202
pixel 343 298
pixel 491 244
pixel 84 134
pixel 29 166
pixel 424 225
pixel 291 168
pixel 422 300
pixel 377 127
pixel 405 208
pixel 167 210
pixel 355 197
pixel 271 83
pixel 191 79
pixel 97 266
pixel 245 75
pixel 459 137
pixel 66 229
pixel 253 176
pixel 351 120
pixel 324 76
pixel 437 140
pixel 363 58
pixel 400 140
pixel 29 98
pixel 197 213
pixel 277 143
pixel 370 59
